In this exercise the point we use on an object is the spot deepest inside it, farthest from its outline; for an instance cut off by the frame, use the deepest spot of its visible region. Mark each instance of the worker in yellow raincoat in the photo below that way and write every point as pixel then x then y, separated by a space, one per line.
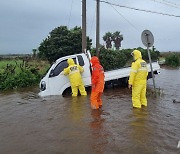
pixel 138 80
pixel 74 72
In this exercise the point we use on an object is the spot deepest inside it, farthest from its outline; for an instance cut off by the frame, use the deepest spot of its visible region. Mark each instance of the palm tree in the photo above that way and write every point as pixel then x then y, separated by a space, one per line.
pixel 117 38
pixel 108 39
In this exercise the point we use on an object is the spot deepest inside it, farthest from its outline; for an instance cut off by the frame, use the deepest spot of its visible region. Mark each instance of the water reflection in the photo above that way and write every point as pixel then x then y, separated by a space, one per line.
pixel 99 134
pixel 77 108
pixel 140 131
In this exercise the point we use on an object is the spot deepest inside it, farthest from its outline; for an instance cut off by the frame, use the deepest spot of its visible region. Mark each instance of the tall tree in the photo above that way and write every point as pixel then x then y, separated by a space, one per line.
pixel 108 39
pixel 117 38
pixel 62 41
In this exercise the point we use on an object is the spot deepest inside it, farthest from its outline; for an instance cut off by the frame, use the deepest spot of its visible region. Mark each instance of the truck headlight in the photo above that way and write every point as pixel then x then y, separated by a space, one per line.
pixel 43 86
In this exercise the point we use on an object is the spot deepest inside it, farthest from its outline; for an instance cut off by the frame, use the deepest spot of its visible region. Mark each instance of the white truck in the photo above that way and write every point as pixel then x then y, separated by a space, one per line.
pixel 56 83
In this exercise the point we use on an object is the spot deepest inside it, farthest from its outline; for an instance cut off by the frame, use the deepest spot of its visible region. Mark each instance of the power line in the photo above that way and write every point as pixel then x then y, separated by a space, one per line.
pixel 171 2
pixel 149 11
pixel 125 18
pixel 166 3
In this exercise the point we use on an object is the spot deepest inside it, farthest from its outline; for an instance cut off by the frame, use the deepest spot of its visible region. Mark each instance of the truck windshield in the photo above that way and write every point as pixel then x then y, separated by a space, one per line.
pixel 59 68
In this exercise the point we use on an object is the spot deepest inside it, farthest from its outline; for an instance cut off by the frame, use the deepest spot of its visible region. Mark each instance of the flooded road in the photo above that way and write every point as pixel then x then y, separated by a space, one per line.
pixel 56 124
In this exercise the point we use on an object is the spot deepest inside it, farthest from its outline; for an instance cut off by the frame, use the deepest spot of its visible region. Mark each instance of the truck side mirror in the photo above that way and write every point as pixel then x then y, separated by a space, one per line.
pixel 51 74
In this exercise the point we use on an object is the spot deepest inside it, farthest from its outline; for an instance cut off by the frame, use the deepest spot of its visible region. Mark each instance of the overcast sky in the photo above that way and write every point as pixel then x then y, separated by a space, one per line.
pixel 25 23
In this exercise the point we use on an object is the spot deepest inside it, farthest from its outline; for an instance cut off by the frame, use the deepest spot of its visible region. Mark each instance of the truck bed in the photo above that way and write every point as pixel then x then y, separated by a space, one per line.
pixel 124 72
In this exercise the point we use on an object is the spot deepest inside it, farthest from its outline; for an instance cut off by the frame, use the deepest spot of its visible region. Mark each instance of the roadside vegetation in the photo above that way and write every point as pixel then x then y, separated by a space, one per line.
pixel 114 59
pixel 15 73
pixel 171 59
pixel 60 42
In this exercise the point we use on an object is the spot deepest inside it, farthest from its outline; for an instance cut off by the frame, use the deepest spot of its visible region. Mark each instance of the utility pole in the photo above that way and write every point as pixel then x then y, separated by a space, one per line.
pixel 84 43
pixel 97 26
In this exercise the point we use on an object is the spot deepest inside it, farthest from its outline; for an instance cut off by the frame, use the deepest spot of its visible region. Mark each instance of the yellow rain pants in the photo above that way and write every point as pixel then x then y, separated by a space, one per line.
pixel 138 80
pixel 74 72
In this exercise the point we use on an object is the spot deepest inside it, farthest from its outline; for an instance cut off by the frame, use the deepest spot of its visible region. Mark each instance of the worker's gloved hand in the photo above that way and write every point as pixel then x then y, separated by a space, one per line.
pixel 129 86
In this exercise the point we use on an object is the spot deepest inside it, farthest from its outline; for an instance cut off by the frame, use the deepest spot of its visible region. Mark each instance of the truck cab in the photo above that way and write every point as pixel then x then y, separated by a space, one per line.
pixel 55 82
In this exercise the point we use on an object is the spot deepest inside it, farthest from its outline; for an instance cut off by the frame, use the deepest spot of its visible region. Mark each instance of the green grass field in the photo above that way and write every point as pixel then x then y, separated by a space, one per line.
pixel 41 65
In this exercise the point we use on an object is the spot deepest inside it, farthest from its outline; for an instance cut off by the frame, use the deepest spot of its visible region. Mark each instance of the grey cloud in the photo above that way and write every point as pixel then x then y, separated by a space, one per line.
pixel 24 24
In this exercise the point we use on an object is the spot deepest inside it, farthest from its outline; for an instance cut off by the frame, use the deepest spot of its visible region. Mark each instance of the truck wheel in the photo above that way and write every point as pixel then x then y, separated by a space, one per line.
pixel 67 92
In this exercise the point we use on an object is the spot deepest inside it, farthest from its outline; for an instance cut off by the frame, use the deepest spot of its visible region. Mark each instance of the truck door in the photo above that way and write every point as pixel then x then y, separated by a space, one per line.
pixel 86 76
pixel 57 79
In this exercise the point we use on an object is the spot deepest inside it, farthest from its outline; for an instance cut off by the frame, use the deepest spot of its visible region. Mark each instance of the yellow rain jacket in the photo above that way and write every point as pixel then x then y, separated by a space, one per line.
pixel 138 80
pixel 74 72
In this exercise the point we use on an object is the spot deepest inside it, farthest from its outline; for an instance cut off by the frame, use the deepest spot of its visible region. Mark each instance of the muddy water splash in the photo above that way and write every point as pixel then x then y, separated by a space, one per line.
pixel 56 124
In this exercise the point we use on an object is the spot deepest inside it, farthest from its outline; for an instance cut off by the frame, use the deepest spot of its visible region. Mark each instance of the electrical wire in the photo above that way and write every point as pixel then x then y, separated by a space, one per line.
pixel 148 11
pixel 171 2
pixel 124 18
pixel 166 3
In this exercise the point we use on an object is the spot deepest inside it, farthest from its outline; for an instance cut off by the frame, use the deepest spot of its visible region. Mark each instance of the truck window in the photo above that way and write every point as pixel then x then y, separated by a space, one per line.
pixel 59 68
pixel 80 59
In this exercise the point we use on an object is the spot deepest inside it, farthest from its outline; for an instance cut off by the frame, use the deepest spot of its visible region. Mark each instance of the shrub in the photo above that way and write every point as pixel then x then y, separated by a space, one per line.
pixel 111 59
pixel 154 54
pixel 173 60
pixel 19 75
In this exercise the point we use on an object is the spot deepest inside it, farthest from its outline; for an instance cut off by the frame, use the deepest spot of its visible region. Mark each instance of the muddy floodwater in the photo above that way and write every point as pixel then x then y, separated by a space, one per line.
pixel 52 125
